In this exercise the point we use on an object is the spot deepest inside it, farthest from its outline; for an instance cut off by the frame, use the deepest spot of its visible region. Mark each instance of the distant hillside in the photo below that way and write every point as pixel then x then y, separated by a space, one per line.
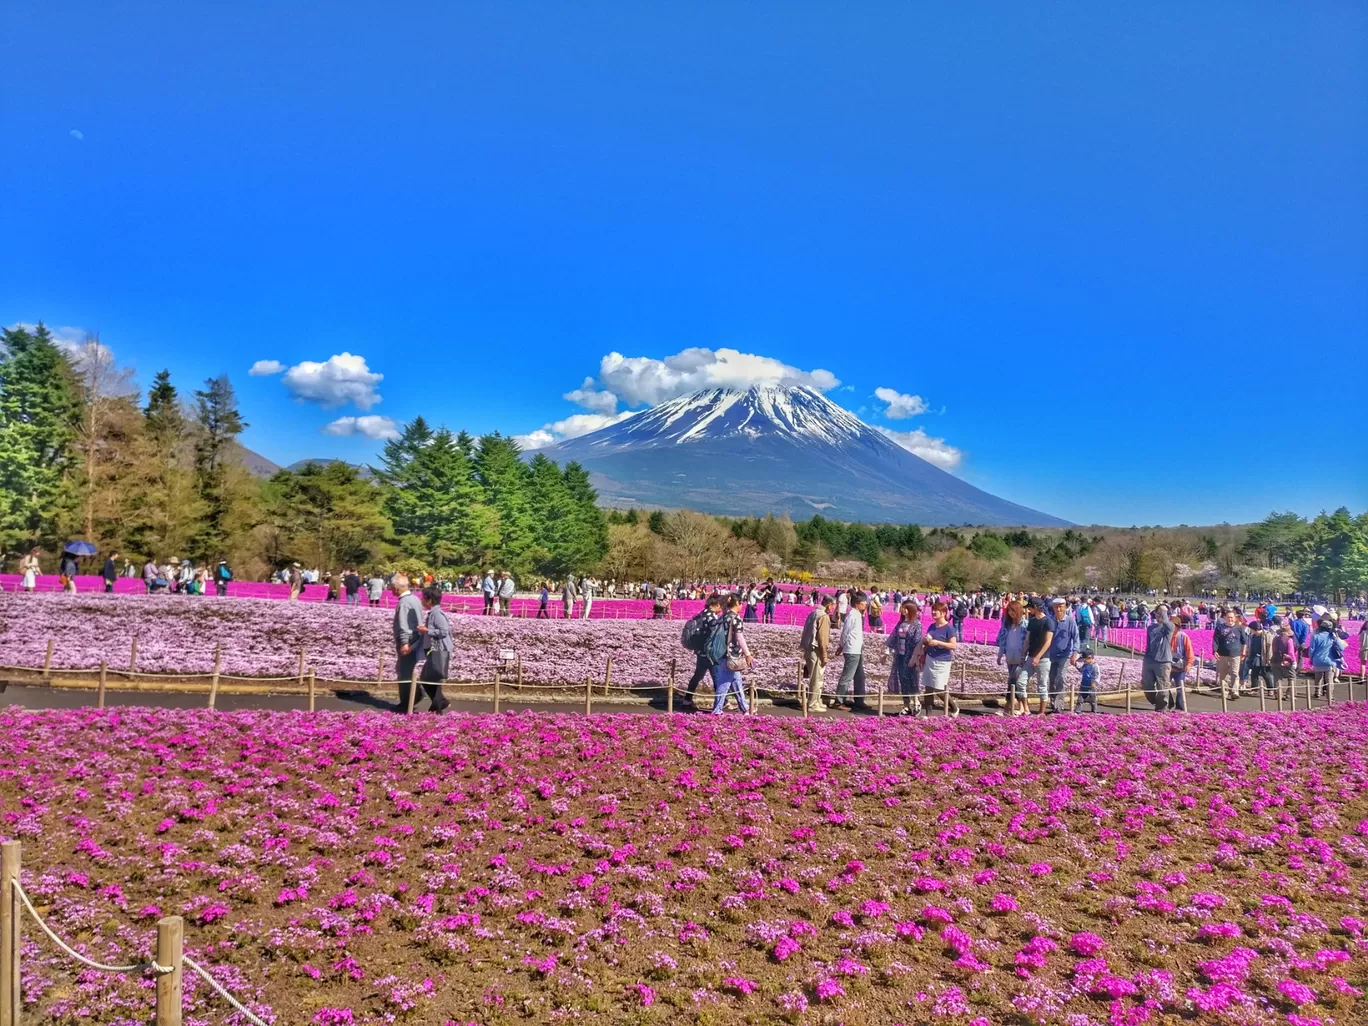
pixel 256 464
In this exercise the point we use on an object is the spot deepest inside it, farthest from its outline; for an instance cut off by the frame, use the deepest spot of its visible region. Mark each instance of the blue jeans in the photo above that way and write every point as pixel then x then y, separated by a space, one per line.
pixel 727 682
pixel 353 597
pixel 1179 692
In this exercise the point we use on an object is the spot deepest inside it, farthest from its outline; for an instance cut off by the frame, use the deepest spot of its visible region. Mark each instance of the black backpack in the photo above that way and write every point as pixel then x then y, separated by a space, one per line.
pixel 695 634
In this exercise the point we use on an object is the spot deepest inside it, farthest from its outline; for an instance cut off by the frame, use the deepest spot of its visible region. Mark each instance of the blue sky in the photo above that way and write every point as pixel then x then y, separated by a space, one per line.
pixel 1111 253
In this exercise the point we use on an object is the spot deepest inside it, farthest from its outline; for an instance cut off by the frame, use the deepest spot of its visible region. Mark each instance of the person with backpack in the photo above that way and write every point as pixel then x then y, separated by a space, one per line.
pixel 223 573
pixel 695 637
pixel 728 655
pixel 815 644
pixel 875 613
pixel 1084 618
pixel 1326 653
pixel 961 614
pixel 1302 631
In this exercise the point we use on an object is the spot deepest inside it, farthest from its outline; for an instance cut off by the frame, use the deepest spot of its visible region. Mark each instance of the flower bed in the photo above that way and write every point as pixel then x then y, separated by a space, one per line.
pixel 367 869
pixel 178 635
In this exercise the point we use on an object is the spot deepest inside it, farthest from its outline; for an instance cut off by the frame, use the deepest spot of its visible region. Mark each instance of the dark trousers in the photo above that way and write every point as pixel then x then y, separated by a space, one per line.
pixel 1084 632
pixel 701 668
pixel 542 614
pixel 489 604
pixel 109 586
pixel 431 685
pixel 404 671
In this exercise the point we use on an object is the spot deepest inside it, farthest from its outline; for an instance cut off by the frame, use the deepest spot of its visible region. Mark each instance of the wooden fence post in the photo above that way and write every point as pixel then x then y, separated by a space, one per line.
pixel 607 676
pixel 752 693
pixel 1225 697
pixel 10 934
pixel 380 670
pixel 133 657
pixel 413 687
pixel 519 668
pixel 669 692
pixel 588 695
pixel 301 665
pixel 47 659
pixel 497 686
pixel 170 986
pixel 214 682
pixel 100 688
pixel 312 677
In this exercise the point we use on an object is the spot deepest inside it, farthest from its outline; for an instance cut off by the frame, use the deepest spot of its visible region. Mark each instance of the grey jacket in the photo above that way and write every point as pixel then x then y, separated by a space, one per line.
pixel 407 616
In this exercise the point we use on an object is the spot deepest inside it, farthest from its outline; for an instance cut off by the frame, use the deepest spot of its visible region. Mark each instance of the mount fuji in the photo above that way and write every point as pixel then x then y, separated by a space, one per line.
pixel 778 449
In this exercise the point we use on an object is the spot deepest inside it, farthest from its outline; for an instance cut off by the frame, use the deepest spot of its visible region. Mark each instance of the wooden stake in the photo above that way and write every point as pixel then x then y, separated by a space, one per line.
pixel 1280 695
pixel 1263 698
pixel 170 987
pixel 498 685
pixel 214 682
pixel 301 666
pixel 669 694
pixel 1330 693
pixel 311 690
pixel 47 659
pixel 607 676
pixel 882 691
pixel 100 689
pixel 380 670
pixel 413 687
pixel 10 935
pixel 1294 685
pixel 588 696
pixel 1225 699
pixel 752 693
pixel 519 668
pixel 133 657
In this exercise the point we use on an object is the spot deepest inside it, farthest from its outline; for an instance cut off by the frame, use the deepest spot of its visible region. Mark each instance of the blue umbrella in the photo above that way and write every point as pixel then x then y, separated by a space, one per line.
pixel 80 548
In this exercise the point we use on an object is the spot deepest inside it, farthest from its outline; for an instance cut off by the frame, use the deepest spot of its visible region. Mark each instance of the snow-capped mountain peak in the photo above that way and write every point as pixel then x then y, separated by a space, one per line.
pixel 794 412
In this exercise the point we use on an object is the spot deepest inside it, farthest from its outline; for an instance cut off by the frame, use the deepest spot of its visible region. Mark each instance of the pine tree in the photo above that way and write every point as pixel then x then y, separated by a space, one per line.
pixel 221 489
pixel 165 505
pixel 504 478
pixel 39 414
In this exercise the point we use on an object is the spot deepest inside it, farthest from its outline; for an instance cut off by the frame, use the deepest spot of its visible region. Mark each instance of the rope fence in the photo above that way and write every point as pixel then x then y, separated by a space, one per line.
pixel 166 966
pixel 508 673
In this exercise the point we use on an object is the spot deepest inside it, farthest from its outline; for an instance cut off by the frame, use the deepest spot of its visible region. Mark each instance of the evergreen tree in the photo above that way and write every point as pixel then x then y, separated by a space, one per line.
pixel 165 505
pixel 220 489
pixel 504 478
pixel 39 416
pixel 327 516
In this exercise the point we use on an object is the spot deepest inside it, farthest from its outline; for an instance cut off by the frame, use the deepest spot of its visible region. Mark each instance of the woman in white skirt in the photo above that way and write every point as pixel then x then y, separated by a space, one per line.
pixel 938 646
pixel 28 570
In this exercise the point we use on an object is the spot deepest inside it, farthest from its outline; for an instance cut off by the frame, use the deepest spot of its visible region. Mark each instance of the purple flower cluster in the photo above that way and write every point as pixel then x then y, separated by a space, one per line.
pixel 363 869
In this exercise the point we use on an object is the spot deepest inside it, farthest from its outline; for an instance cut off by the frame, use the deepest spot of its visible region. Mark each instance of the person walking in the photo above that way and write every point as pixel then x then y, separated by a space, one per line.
pixel 1012 647
pixel 1228 639
pixel 375 589
pixel 408 614
pixel 351 584
pixel 905 646
pixel 852 648
pixel 1258 659
pixel 587 585
pixel 435 634
pixel 110 573
pixel 1157 666
pixel 28 571
pixel 698 632
pixel 1302 629
pixel 1087 682
pixel 1039 635
pixel 66 572
pixel 1083 617
pixel 542 598
pixel 490 591
pixel 1180 666
pixel 815 644
pixel 296 579
pixel 223 573
pixel 960 616
pixel 1063 649
pixel 726 674
pixel 568 596
pixel 507 588
pixel 1326 653
pixel 938 651
pixel 1284 656
pixel 771 596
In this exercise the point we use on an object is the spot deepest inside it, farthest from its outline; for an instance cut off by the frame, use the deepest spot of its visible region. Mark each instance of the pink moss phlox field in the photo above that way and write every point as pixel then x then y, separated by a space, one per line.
pixel 368 869
pixel 178 634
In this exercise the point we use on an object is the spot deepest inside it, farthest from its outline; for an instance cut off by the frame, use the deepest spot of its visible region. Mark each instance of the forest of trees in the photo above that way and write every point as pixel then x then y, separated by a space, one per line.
pixel 83 454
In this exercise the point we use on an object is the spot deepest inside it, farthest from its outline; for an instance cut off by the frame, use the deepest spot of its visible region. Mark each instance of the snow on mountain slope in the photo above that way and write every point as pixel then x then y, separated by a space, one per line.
pixel 780 449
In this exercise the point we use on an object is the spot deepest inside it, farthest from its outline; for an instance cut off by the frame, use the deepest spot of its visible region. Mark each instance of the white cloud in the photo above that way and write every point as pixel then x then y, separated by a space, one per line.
pixel 900 405
pixel 592 399
pixel 642 379
pixel 919 443
pixel 371 426
pixel 265 368
pixel 339 380
pixel 76 134
pixel 571 427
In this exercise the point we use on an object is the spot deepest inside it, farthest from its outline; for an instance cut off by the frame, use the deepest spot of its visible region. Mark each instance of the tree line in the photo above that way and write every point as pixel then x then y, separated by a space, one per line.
pixel 84 455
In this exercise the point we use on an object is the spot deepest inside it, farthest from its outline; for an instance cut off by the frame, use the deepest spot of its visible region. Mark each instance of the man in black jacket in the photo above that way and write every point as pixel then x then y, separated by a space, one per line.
pixel 110 572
